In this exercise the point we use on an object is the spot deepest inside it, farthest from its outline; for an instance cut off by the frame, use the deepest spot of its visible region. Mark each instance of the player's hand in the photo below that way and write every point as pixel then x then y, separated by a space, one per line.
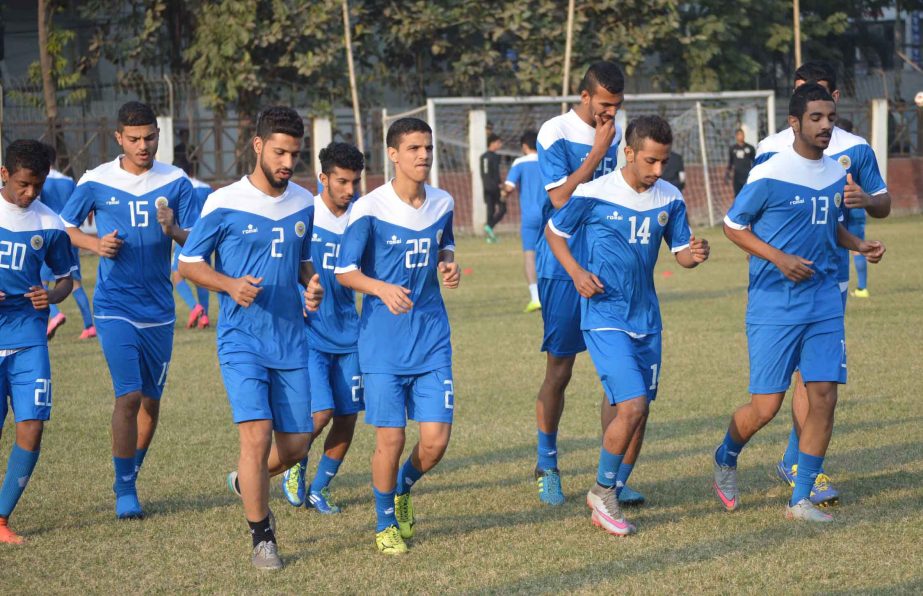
pixel 605 134
pixel 872 249
pixel 794 267
pixel 244 290
pixel 165 218
pixel 451 274
pixel 587 284
pixel 699 249
pixel 39 297
pixel 395 298
pixel 853 196
pixel 109 245
pixel 313 294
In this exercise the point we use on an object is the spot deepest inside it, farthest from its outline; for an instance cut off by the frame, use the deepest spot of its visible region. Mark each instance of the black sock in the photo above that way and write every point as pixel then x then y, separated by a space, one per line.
pixel 261 532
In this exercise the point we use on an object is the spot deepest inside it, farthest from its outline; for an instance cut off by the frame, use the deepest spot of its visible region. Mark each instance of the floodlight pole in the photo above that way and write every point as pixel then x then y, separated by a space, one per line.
pixel 568 42
pixel 796 17
pixel 357 117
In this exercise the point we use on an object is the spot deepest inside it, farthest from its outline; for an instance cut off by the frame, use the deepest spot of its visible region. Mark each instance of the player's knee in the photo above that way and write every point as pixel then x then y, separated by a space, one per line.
pixel 633 410
pixel 390 442
pixel 321 419
pixel 128 404
pixel 765 412
pixel 29 434
pixel 344 424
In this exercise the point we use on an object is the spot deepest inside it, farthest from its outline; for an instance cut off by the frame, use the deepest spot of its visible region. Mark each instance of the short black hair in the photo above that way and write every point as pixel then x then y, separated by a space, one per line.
pixel 603 73
pixel 341 155
pixel 844 124
pixel 52 153
pixel 805 94
pixel 529 139
pixel 279 119
pixel 135 113
pixel 815 71
pixel 654 128
pixel 403 126
pixel 27 154
pixel 493 138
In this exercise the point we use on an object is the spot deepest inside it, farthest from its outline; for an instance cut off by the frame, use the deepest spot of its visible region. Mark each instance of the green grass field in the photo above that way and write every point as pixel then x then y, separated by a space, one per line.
pixel 480 527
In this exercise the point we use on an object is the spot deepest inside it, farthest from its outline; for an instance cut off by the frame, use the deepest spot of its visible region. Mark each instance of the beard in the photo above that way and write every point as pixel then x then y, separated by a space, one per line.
pixel 271 178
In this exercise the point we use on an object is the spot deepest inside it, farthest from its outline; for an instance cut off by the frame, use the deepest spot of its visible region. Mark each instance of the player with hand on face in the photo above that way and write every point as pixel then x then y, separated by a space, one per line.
pixel 624 215
pixel 260 231
pixel 31 238
pixel 397 247
pixel 142 206
pixel 787 218
pixel 333 332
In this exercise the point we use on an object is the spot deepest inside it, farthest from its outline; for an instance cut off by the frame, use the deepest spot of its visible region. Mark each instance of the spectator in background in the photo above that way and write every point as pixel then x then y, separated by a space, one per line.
pixel 844 124
pixel 490 179
pixel 740 160
pixel 181 150
pixel 674 171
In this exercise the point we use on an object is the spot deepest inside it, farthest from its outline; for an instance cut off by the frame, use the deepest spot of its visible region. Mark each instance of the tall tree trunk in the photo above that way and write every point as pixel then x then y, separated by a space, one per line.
pixel 45 11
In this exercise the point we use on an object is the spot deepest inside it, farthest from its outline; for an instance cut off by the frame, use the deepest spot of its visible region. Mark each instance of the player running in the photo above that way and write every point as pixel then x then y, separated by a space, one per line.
pixel 576 147
pixel 525 175
pixel 31 237
pixel 333 333
pixel 865 192
pixel 198 304
pixel 786 218
pixel 260 231
pixel 55 192
pixel 134 198
pixel 397 244
pixel 624 215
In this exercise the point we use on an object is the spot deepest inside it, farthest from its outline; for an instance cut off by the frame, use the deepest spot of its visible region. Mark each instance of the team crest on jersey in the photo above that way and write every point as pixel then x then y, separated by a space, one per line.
pixel 250 229
pixel 438 236
pixel 837 199
pixel 394 240
pixel 844 161
pixel 37 242
pixel 662 218
pixel 300 229
pixel 161 202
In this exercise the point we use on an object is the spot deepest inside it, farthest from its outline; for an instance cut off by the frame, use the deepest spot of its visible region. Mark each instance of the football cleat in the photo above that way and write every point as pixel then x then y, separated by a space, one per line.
pixel 549 486
pixel 88 333
pixel 53 324
pixel 786 474
pixel 533 306
pixel 320 500
pixel 389 542
pixel 805 510
pixel 725 485
pixel 403 511
pixel 606 511
pixel 293 484
pixel 265 556
pixel 861 293
pixel 630 497
pixel 194 315
pixel 8 536
pixel 823 493
pixel 203 321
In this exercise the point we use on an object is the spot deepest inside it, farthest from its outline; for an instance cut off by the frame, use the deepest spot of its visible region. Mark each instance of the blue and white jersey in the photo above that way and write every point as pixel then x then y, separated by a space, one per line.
pixel 28 238
pixel 201 190
pixel 525 174
pixel 563 144
pixel 334 328
pixel 393 242
pixel 252 233
pixel 623 230
pixel 857 158
pixel 134 286
pixel 57 190
pixel 793 204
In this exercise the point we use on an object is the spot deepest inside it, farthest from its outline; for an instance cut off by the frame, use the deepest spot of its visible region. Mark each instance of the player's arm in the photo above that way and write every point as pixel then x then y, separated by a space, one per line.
pixel 697 252
pixel 107 246
pixel 451 274
pixel 313 291
pixel 605 134
pixel 243 290
pixel 793 267
pixel 42 298
pixel 878 205
pixel 587 284
pixel 872 249
pixel 395 297
pixel 167 220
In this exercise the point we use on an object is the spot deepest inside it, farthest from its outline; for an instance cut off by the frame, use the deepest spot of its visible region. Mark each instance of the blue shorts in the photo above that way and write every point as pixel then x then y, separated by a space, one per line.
pixel 138 359
pixel 530 232
pixel 844 293
pixel 25 377
pixel 561 316
pixel 628 367
pixel 256 392
pixel 818 350
pixel 48 275
pixel 336 383
pixel 390 400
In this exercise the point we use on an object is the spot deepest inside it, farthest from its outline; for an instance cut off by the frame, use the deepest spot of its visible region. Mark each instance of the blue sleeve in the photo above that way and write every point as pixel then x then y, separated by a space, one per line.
pixel 677 233
pixel 761 157
pixel 748 205
pixel 79 205
pixel 352 247
pixel 59 257
pixel 447 242
pixel 188 206
pixel 514 176
pixel 552 163
pixel 867 173
pixel 570 217
pixel 306 237
pixel 203 239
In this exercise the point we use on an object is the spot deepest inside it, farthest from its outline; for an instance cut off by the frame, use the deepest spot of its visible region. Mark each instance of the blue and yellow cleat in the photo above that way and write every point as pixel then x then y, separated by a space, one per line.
pixel 403 511
pixel 786 474
pixel 630 497
pixel 824 494
pixel 320 500
pixel 549 486
pixel 293 484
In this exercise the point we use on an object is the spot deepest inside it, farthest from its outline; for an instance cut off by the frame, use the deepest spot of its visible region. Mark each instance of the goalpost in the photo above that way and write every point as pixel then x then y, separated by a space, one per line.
pixel 703 130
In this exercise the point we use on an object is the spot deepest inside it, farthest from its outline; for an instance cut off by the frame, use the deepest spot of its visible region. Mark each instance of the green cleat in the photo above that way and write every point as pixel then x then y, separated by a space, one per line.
pixel 389 542
pixel 403 511
pixel 533 306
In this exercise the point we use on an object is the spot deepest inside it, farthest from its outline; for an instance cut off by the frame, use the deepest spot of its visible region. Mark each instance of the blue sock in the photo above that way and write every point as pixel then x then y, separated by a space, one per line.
pixel 53 311
pixel 791 452
pixel 407 477
pixel 126 496
pixel 18 471
pixel 202 294
pixel 384 509
pixel 83 303
pixel 185 292
pixel 862 271
pixel 621 479
pixel 608 469
pixel 728 451
pixel 139 459
pixel 809 466
pixel 547 450
pixel 327 468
